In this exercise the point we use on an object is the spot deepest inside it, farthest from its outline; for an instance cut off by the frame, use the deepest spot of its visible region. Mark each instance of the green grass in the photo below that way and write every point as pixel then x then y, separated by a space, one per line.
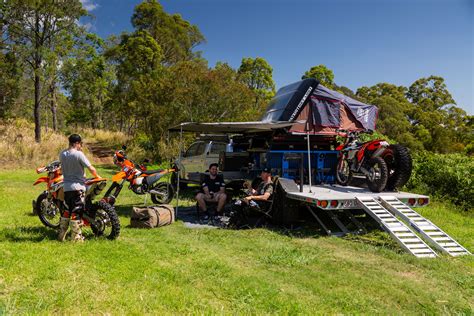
pixel 174 269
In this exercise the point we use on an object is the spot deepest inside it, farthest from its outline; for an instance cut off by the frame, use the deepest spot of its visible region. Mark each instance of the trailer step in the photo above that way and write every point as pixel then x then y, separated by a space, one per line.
pixel 429 231
pixel 406 238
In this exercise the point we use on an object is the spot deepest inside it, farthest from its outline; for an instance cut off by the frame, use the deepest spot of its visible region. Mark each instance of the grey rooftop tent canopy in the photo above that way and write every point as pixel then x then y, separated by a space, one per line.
pixel 310 105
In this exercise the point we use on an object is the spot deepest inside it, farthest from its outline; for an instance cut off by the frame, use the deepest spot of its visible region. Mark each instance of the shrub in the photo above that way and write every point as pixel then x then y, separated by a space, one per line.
pixel 447 176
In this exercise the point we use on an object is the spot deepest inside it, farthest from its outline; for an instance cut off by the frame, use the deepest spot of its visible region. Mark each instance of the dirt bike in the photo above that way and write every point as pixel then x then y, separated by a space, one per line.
pixel 141 181
pixel 396 157
pixel 49 203
pixel 50 206
pixel 365 158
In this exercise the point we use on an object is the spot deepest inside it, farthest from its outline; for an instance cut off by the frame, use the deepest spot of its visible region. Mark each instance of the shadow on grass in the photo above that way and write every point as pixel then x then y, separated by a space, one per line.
pixel 28 234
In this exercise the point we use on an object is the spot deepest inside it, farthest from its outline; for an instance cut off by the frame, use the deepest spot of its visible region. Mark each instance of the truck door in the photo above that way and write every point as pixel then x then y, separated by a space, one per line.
pixel 188 162
pixel 213 153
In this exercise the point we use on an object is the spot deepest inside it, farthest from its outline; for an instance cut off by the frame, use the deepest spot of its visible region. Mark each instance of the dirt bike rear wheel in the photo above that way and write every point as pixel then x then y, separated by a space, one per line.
pixel 165 195
pixel 399 165
pixel 107 223
pixel 379 174
pixel 343 173
pixel 48 213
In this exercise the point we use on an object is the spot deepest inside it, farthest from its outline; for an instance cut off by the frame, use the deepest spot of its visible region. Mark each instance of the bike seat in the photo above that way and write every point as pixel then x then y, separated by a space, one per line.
pixel 152 171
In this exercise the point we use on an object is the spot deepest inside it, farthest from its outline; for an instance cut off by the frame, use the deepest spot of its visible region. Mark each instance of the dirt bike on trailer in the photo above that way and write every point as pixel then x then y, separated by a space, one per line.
pixel 50 206
pixel 141 181
pixel 385 166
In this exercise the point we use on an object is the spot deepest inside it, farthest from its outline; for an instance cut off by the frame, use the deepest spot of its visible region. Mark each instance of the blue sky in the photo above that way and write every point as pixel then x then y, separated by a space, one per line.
pixel 364 42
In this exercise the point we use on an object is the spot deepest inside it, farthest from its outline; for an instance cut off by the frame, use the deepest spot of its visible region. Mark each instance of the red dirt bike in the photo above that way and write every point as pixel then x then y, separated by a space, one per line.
pixel 141 181
pixel 50 206
pixel 385 166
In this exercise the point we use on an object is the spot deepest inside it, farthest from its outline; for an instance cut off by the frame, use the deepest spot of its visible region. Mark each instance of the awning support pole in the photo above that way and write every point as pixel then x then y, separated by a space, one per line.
pixel 309 160
pixel 177 174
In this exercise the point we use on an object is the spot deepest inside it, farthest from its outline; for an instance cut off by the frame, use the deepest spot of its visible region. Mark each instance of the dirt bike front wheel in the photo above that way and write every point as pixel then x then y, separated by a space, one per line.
pixel 343 173
pixel 48 212
pixel 106 222
pixel 378 174
pixel 162 193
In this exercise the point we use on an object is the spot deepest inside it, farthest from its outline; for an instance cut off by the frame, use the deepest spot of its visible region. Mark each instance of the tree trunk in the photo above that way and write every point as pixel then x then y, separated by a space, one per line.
pixel 54 107
pixel 37 107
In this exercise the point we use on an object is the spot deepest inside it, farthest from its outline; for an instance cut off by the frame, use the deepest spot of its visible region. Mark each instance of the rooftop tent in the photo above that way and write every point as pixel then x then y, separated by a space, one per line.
pixel 289 101
pixel 325 110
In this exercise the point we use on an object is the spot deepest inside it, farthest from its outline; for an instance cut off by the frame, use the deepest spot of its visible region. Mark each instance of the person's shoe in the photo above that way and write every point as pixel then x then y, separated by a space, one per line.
pixel 76 230
pixel 63 226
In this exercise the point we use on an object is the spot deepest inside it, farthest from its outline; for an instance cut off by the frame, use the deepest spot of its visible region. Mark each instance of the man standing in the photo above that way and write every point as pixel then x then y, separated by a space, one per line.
pixel 213 190
pixel 73 162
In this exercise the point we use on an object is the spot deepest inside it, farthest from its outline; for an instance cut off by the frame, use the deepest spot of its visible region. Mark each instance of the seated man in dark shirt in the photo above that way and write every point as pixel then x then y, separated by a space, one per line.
pixel 264 190
pixel 213 190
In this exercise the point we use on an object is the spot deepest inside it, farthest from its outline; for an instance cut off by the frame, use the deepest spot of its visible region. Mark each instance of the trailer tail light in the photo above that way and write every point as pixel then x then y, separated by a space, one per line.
pixel 334 203
pixel 323 204
pixel 411 202
pixel 422 201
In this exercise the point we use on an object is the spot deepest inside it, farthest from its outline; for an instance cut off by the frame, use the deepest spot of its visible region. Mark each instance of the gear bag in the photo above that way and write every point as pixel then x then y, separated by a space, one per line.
pixel 152 216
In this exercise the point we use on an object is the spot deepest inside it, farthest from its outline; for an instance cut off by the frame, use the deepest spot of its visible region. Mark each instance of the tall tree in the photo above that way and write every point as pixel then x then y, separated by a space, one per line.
pixel 257 74
pixel 87 76
pixel 34 26
pixel 321 73
pixel 430 92
pixel 176 36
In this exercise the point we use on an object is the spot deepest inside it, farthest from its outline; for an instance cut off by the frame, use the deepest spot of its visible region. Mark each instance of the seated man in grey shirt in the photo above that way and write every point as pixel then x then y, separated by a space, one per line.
pixel 73 162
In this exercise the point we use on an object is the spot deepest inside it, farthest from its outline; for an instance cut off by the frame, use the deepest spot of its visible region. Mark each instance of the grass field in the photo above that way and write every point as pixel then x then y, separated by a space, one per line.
pixel 175 269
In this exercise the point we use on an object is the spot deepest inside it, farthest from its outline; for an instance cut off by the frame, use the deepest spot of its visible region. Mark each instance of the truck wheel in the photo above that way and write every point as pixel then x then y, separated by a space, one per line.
pixel 174 182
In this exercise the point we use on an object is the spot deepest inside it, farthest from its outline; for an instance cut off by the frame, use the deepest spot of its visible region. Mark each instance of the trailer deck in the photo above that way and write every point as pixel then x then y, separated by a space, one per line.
pixel 344 197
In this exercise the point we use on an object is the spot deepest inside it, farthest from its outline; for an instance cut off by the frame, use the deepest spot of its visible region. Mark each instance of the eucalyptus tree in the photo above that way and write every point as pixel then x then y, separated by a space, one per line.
pixel 36 27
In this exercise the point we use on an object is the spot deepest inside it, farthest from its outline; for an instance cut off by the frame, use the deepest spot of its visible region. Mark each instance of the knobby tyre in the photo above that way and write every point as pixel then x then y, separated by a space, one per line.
pixel 107 222
pixel 400 165
pixel 378 174
pixel 48 213
pixel 344 173
pixel 165 195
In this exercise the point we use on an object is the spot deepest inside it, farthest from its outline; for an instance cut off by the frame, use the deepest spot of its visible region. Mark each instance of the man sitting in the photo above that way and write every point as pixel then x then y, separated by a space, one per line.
pixel 264 190
pixel 213 190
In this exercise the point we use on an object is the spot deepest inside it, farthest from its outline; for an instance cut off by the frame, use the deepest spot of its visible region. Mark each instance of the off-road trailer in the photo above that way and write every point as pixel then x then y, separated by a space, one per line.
pixel 296 138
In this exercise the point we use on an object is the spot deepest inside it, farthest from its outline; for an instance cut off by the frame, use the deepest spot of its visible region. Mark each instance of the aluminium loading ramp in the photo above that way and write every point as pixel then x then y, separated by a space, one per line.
pixel 429 231
pixel 407 239
pixel 389 209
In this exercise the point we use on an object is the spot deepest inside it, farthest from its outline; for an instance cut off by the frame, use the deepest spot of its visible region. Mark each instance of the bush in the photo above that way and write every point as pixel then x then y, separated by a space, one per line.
pixel 446 176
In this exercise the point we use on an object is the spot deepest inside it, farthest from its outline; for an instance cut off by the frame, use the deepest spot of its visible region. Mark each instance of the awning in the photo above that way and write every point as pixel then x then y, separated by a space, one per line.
pixel 230 127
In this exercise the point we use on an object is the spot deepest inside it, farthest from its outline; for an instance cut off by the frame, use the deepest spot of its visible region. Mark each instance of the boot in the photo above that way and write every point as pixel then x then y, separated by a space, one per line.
pixel 76 230
pixel 63 226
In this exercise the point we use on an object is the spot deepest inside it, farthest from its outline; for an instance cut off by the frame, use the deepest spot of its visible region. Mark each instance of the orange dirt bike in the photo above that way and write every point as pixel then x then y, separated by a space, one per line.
pixel 50 206
pixel 141 181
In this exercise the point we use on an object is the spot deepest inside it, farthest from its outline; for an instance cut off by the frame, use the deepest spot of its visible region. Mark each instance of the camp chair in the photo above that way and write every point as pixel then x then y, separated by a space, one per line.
pixel 250 216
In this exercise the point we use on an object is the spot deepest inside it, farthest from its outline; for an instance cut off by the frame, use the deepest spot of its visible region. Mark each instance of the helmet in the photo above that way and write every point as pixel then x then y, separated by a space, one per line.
pixel 119 156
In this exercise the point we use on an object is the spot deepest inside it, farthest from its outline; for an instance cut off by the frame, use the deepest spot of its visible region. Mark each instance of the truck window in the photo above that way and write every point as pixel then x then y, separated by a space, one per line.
pixel 192 149
pixel 201 148
pixel 217 148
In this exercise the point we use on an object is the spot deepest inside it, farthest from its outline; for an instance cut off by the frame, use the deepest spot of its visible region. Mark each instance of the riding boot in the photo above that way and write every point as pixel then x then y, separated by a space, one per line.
pixel 76 230
pixel 63 226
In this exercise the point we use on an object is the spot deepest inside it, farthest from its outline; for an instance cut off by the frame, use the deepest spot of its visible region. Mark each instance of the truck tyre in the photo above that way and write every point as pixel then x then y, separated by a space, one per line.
pixel 399 164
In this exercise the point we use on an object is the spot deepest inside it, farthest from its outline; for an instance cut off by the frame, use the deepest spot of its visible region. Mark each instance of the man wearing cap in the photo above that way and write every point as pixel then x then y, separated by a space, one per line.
pixel 73 162
pixel 264 189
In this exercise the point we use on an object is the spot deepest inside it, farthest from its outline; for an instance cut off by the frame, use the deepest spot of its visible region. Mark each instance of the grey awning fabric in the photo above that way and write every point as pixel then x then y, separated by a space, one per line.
pixel 230 127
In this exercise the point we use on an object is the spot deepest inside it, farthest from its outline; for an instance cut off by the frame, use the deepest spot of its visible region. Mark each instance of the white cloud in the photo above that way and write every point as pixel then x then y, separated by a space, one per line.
pixel 89 5
pixel 88 26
